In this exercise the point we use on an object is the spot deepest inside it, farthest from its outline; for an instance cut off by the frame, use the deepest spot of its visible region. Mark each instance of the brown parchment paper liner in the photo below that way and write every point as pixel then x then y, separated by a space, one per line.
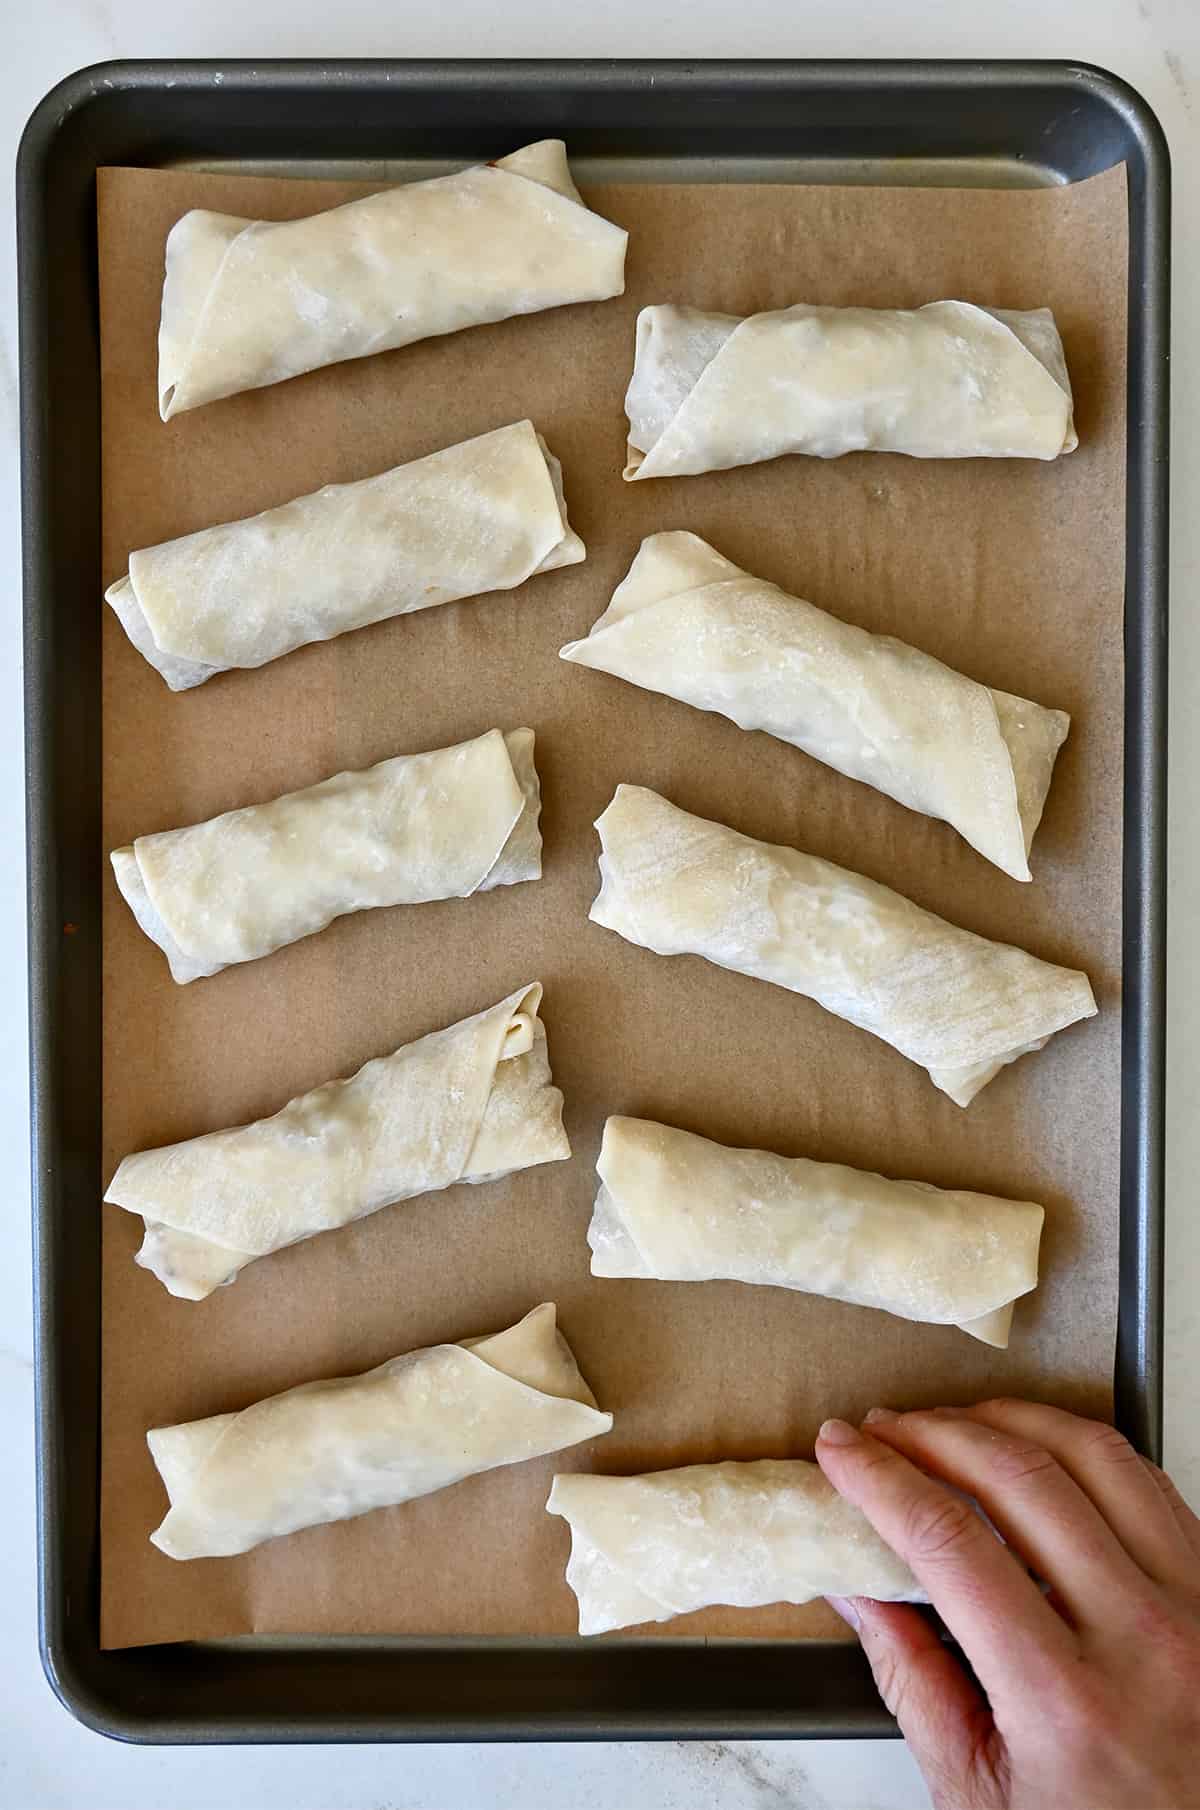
pixel 1009 571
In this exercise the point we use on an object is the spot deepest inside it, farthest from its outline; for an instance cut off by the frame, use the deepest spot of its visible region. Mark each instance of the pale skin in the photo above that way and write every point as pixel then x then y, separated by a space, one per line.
pixel 1086 1693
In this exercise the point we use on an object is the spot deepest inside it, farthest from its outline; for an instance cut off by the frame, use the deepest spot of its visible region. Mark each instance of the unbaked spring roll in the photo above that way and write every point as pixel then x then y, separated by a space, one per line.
pixel 250 302
pixel 772 1531
pixel 471 1103
pixel 688 622
pixel 330 1450
pixel 947 381
pixel 678 1208
pixel 482 516
pixel 441 825
pixel 960 1006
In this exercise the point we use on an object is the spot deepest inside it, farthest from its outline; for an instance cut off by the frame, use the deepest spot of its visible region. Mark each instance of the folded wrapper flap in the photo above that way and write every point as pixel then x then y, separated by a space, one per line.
pixel 249 302
pixel 679 1208
pixel 958 1004
pixel 644 1549
pixel 949 380
pixel 688 622
pixel 470 1103
pixel 330 1450
pixel 443 824
pixel 484 515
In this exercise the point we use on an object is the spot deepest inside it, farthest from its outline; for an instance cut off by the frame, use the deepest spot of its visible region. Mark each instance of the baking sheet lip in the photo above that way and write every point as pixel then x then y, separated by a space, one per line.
pixel 236 76
pixel 1138 1366
pixel 592 1724
pixel 899 73
pixel 83 1677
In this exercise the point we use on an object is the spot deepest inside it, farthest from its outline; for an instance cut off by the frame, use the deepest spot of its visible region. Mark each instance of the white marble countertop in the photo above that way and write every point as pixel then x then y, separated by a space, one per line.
pixel 48 1762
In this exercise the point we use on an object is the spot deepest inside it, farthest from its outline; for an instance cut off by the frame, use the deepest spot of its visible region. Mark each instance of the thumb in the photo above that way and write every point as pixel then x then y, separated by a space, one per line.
pixel 943 1715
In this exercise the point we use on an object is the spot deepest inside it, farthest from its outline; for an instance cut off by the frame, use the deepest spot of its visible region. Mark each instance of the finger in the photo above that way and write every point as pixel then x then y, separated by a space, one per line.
pixel 1110 1473
pixel 1187 1522
pixel 1012 1637
pixel 942 1713
pixel 1034 1505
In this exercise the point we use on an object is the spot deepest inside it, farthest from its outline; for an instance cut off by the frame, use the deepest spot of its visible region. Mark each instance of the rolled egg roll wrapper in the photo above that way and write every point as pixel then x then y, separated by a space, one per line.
pixel 689 623
pixel 441 825
pixel 250 302
pixel 644 1549
pixel 481 516
pixel 678 1208
pixel 330 1450
pixel 957 1004
pixel 467 1104
pixel 946 381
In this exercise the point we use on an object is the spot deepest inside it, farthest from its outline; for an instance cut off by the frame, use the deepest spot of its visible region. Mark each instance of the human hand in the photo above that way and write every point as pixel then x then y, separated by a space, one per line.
pixel 1088 1695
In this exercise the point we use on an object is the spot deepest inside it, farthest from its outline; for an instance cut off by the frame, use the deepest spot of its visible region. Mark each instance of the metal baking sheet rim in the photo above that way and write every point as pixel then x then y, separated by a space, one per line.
pixel 923 121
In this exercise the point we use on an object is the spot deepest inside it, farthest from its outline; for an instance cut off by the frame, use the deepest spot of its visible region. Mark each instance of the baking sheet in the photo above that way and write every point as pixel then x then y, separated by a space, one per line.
pixel 1011 571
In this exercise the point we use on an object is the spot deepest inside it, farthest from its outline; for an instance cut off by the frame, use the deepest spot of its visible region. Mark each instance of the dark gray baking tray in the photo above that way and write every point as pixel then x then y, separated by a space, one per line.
pixel 992 124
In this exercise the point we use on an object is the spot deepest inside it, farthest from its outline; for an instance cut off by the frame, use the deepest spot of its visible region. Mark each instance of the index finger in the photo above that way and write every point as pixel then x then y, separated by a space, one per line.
pixel 986 1598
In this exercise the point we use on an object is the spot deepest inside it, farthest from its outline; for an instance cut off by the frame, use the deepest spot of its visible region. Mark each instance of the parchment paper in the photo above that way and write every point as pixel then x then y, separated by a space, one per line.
pixel 1011 571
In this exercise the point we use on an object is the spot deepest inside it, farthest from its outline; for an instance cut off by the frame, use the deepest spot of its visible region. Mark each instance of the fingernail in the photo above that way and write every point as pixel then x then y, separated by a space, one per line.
pixel 879 1414
pixel 841 1605
pixel 837 1432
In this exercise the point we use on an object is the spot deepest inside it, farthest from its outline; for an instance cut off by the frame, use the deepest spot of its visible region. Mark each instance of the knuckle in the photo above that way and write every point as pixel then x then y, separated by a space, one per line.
pixel 938 1526
pixel 897 1675
pixel 1108 1445
pixel 1169 1491
pixel 1083 1715
pixel 910 1686
pixel 888 1679
pixel 1167 1628
pixel 876 1457
pixel 1001 1404
pixel 1016 1462
pixel 1161 1481
pixel 1165 1485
